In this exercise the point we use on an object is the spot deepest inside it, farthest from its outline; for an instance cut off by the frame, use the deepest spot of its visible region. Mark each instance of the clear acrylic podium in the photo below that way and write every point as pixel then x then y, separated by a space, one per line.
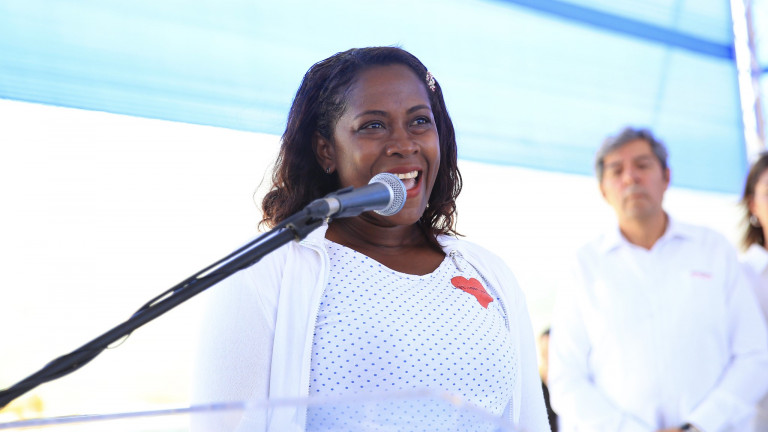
pixel 373 412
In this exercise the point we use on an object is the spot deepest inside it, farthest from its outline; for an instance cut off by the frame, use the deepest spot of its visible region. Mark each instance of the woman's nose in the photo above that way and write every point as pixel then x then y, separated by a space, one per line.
pixel 401 142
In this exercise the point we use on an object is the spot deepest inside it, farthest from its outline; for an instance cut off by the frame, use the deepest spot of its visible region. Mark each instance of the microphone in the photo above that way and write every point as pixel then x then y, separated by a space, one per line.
pixel 384 194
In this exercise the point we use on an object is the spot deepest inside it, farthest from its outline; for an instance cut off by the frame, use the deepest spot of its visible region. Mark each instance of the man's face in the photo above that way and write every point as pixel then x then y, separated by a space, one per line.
pixel 634 182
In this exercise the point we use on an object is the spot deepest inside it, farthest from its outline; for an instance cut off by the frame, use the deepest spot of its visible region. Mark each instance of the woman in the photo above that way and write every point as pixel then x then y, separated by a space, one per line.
pixel 370 303
pixel 754 200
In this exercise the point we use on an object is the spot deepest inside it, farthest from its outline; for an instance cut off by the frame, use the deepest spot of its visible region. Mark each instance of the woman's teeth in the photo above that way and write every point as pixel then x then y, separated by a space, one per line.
pixel 408 179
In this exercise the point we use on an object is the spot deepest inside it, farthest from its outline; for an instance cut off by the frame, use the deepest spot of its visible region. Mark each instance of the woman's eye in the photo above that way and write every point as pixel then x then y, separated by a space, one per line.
pixel 373 125
pixel 421 121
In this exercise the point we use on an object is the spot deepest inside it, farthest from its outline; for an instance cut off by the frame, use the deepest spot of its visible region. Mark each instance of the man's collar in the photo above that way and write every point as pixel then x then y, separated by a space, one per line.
pixel 614 239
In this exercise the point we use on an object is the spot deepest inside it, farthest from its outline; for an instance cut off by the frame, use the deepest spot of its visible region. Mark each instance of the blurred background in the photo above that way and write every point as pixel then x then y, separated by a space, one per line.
pixel 136 137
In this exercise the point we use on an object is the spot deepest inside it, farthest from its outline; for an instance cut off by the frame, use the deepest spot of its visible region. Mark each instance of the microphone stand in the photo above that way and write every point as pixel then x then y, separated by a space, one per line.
pixel 296 227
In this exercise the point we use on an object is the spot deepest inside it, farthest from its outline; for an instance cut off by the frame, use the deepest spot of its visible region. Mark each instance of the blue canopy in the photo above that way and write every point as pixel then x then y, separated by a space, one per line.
pixel 535 83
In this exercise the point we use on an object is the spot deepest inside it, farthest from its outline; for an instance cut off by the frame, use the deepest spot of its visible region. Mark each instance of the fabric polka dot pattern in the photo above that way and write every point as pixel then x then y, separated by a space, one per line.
pixel 381 330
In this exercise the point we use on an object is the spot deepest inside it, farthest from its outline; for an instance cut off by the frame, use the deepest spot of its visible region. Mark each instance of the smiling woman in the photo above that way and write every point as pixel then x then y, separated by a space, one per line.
pixel 370 304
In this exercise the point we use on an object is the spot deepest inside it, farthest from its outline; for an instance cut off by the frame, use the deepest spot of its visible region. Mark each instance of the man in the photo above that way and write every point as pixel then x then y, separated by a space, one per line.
pixel 658 329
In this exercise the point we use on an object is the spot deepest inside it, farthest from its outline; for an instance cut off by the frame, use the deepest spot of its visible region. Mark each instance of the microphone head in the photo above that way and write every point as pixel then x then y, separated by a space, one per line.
pixel 397 193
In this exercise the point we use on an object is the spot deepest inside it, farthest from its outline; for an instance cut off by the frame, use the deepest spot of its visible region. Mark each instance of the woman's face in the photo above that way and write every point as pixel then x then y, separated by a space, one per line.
pixel 759 204
pixel 388 126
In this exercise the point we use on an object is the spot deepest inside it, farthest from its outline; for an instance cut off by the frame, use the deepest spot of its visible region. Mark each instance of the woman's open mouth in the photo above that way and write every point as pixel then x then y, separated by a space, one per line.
pixel 410 179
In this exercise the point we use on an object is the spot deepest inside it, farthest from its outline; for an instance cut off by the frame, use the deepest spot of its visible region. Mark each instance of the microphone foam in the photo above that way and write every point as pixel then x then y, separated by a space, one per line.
pixel 397 193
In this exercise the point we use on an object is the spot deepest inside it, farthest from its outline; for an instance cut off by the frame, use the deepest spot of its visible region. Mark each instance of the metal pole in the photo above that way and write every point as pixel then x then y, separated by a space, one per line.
pixel 748 72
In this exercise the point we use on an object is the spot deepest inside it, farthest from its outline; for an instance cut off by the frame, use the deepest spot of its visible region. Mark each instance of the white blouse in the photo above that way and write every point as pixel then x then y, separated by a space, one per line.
pixel 382 330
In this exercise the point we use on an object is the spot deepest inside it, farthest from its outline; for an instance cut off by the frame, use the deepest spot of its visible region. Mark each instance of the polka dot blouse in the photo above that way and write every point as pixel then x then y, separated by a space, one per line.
pixel 381 330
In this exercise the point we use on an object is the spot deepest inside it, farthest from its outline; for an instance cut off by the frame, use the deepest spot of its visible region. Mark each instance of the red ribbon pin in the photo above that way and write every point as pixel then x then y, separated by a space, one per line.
pixel 474 287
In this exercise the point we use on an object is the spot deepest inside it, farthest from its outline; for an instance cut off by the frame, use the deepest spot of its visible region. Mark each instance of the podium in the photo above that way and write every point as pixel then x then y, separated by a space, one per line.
pixel 414 411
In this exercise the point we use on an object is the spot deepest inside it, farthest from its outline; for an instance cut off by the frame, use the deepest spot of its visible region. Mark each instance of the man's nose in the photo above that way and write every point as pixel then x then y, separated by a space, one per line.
pixel 630 175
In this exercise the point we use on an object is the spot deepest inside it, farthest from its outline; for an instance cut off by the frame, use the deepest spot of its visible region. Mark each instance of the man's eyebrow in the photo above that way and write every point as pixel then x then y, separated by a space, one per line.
pixel 643 157
pixel 639 158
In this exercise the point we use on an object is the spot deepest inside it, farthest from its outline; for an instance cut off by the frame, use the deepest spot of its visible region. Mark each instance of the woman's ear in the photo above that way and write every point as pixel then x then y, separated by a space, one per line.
pixel 324 152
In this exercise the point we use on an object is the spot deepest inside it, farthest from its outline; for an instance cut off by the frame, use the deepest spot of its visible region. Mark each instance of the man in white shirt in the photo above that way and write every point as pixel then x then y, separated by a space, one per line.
pixel 658 329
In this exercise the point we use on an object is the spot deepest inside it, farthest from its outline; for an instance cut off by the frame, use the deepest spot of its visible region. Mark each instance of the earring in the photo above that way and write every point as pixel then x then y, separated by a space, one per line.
pixel 327 170
pixel 754 221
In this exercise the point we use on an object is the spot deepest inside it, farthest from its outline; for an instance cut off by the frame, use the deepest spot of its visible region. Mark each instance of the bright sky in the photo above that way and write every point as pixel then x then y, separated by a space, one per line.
pixel 102 212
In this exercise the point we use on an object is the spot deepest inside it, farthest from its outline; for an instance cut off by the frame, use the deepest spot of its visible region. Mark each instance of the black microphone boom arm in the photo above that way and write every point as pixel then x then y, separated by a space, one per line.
pixel 296 227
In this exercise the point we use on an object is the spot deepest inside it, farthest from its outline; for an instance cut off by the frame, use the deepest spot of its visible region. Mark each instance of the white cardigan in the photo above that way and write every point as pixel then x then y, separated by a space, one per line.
pixel 257 336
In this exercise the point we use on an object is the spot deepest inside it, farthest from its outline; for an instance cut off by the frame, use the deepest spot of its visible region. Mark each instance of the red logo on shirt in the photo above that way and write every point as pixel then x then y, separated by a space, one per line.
pixel 474 287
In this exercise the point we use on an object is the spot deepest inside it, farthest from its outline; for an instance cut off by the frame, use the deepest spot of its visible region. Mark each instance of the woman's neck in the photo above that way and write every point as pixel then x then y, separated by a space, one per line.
pixel 404 248
pixel 360 232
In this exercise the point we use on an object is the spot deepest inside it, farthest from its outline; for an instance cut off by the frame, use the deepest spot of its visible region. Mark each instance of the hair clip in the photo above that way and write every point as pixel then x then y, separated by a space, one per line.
pixel 430 81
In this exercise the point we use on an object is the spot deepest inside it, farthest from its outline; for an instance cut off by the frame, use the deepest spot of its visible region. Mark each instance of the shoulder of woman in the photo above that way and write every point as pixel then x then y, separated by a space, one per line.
pixel 473 250
pixel 489 263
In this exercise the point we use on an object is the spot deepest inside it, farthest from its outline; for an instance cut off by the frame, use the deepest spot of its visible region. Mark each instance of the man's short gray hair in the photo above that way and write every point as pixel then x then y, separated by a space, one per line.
pixel 626 135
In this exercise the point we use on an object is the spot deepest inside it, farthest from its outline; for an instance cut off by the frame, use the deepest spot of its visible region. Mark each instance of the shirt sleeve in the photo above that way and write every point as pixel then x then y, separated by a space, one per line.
pixel 533 413
pixel 745 379
pixel 573 394
pixel 234 354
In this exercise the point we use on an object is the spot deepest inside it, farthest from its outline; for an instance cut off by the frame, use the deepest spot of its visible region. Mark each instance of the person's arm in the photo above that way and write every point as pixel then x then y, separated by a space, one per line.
pixel 533 412
pixel 745 380
pixel 235 348
pixel 573 394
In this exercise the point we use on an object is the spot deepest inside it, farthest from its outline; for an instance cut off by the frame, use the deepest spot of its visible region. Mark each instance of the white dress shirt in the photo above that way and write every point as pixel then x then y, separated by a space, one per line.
pixel 649 339
pixel 756 264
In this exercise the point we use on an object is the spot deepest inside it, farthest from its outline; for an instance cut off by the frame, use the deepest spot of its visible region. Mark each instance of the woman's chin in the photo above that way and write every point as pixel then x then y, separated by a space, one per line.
pixel 408 216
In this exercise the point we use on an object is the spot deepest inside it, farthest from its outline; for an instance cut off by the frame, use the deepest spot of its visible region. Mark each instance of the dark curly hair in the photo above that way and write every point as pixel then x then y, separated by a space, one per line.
pixel 753 234
pixel 297 177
